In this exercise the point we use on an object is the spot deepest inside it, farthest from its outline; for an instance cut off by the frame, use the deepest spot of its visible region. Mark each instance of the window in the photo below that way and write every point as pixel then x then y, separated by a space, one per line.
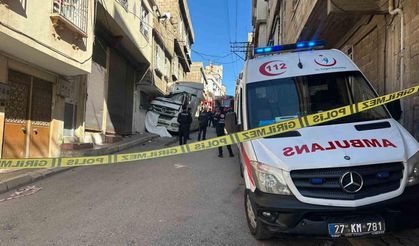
pixel 180 27
pixel 72 11
pixel 166 67
pixel 176 67
pixel 162 61
pixel 144 21
pixel 277 100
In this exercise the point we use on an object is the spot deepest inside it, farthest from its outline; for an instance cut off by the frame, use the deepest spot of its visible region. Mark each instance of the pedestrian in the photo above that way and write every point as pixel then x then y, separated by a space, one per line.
pixel 210 118
pixel 203 123
pixel 215 117
pixel 184 119
pixel 219 129
pixel 189 127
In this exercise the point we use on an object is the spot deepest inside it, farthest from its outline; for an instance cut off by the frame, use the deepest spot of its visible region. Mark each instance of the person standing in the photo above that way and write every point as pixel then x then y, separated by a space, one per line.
pixel 219 129
pixel 184 119
pixel 210 118
pixel 203 123
pixel 215 117
pixel 189 127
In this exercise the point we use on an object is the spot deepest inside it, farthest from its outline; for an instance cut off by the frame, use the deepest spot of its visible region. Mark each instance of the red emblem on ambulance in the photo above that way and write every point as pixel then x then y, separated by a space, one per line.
pixel 273 68
pixel 325 61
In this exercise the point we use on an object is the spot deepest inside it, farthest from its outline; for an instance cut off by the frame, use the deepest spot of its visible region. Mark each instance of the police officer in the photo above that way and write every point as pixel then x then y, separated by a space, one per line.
pixel 219 128
pixel 203 123
pixel 189 127
pixel 210 118
pixel 184 119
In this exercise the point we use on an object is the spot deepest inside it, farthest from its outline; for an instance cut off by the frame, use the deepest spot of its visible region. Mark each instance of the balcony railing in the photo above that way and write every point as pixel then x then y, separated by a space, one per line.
pixel 73 12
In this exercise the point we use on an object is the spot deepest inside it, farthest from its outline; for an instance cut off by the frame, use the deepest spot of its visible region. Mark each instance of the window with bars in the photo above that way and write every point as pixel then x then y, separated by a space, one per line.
pixel 73 11
pixel 144 21
pixel 160 60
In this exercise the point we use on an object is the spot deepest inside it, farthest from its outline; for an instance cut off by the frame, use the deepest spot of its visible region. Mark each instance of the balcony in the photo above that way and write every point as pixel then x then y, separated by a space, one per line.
pixel 361 7
pixel 73 14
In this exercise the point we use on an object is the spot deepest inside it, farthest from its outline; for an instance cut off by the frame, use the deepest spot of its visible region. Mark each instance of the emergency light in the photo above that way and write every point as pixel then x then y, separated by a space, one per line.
pixel 303 45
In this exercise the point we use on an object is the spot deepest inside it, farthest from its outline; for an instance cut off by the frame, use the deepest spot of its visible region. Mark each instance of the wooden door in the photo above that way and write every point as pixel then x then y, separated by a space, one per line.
pixel 16 116
pixel 40 119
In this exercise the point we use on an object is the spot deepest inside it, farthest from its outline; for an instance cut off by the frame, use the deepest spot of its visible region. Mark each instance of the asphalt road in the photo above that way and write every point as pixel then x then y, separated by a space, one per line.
pixel 183 200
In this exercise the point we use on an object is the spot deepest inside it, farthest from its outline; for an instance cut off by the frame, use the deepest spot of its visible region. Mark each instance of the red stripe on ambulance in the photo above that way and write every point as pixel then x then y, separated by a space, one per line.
pixel 247 162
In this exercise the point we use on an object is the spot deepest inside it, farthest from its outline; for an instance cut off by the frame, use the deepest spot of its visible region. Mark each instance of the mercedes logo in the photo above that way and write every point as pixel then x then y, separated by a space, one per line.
pixel 351 182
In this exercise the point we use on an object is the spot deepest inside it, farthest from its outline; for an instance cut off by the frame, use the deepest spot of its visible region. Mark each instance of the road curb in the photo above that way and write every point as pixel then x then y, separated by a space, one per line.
pixel 27 178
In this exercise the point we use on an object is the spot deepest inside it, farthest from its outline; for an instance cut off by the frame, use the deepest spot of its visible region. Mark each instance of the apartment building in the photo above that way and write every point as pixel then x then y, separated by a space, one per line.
pixel 121 56
pixel 197 74
pixel 85 71
pixel 134 60
pixel 183 35
pixel 214 75
pixel 157 78
pixel 45 56
pixel 380 36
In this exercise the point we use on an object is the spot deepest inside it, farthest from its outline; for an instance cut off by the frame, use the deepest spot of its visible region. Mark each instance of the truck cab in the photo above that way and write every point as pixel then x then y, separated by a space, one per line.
pixel 181 93
pixel 353 176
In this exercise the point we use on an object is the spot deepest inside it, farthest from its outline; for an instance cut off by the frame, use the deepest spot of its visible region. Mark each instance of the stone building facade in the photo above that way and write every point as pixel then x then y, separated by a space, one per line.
pixel 381 36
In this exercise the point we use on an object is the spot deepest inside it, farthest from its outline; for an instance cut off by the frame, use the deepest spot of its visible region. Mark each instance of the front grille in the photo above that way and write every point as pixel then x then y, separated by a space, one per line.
pixel 330 188
pixel 164 110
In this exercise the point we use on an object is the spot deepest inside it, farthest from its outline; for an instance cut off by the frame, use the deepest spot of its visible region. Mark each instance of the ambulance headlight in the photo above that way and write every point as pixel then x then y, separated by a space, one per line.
pixel 413 170
pixel 269 179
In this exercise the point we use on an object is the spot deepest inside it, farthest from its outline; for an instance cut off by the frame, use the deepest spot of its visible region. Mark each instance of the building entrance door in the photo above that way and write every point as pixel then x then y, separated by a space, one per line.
pixel 27 117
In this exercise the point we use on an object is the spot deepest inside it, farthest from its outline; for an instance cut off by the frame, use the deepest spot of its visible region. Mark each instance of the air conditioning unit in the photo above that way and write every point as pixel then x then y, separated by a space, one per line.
pixel 261 11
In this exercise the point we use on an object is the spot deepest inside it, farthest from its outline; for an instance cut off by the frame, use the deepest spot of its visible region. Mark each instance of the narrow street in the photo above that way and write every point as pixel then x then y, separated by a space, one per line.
pixel 184 200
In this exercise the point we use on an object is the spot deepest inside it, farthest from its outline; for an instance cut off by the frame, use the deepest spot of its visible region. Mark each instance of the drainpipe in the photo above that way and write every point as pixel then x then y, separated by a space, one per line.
pixel 399 11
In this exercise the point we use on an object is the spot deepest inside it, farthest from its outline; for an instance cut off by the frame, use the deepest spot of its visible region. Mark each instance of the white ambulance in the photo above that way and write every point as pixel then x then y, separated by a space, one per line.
pixel 354 176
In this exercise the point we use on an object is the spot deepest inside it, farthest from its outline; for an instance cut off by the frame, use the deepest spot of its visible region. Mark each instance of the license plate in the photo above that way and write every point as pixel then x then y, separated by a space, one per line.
pixel 357 229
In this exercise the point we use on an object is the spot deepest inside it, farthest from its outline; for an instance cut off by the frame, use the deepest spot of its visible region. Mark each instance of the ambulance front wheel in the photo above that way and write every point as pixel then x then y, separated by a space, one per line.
pixel 255 225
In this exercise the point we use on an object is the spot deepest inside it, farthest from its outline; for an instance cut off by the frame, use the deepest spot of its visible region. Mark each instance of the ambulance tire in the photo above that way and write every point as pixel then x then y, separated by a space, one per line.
pixel 255 226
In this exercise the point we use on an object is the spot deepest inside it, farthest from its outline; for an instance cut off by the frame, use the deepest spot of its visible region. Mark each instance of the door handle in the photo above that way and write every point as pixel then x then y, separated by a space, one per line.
pixel 35 131
pixel 23 129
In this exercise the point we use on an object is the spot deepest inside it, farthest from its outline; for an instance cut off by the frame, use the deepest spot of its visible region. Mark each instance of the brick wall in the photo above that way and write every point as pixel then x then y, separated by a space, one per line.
pixel 295 15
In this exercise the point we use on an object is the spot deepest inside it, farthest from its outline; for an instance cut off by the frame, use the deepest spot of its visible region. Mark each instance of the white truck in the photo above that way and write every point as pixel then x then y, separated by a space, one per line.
pixel 353 176
pixel 181 93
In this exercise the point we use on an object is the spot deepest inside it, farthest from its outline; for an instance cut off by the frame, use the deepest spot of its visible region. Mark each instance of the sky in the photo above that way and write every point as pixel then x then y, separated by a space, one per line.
pixel 214 24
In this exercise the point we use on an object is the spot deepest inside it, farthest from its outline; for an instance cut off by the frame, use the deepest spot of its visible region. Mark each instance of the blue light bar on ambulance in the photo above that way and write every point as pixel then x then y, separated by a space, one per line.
pixel 303 45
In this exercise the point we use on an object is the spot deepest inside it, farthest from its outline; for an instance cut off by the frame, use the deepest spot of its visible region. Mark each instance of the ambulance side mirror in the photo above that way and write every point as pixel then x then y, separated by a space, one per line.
pixel 395 109
pixel 231 122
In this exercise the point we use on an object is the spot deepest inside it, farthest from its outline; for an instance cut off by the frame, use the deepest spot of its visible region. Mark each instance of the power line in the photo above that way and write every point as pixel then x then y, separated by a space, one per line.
pixel 216 56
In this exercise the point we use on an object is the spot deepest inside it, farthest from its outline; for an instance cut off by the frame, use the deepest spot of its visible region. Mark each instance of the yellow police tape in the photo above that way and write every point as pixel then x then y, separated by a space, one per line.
pixel 243 136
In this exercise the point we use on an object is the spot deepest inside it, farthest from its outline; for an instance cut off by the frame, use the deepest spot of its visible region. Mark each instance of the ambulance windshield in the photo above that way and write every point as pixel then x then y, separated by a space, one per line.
pixel 281 99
